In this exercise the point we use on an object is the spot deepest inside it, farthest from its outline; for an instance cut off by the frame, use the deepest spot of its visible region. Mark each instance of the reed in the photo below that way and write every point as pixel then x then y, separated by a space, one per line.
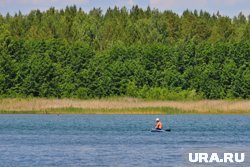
pixel 122 106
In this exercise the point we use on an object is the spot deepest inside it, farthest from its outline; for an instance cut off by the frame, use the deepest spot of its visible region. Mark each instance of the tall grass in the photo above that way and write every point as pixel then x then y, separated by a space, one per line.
pixel 124 105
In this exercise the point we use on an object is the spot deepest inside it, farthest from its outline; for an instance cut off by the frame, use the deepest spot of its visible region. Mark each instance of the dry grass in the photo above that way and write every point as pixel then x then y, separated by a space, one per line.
pixel 203 106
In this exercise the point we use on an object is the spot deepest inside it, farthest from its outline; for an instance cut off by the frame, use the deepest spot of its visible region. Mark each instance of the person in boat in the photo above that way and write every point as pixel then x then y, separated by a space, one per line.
pixel 158 124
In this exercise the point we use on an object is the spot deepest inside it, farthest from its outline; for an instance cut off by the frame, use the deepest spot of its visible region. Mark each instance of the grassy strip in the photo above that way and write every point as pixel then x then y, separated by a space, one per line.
pixel 148 111
pixel 160 110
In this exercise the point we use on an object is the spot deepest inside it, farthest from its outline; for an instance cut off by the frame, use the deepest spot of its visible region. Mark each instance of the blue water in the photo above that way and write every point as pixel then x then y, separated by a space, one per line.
pixel 115 140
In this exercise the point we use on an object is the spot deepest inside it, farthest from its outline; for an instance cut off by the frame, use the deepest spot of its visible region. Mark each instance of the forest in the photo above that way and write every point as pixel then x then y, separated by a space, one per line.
pixel 143 53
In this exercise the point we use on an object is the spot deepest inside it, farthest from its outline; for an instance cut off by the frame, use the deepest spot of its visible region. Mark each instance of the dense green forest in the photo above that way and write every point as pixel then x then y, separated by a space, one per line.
pixel 143 53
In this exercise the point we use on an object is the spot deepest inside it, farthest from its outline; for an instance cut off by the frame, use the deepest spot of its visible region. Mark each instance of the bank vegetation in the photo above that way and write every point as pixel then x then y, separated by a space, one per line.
pixel 122 106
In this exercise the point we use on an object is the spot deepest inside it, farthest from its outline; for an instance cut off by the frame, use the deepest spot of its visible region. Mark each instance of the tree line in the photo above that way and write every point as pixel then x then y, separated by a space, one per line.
pixel 147 53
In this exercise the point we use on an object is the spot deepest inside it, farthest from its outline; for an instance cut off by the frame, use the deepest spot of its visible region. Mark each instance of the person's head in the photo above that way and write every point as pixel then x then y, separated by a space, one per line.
pixel 157 120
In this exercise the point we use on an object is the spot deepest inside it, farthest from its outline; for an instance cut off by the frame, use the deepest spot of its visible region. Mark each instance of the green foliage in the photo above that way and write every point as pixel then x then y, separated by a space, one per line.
pixel 138 53
pixel 167 94
pixel 132 89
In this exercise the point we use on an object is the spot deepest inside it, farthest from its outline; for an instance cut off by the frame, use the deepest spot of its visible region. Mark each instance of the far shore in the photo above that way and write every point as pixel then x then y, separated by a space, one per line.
pixel 121 106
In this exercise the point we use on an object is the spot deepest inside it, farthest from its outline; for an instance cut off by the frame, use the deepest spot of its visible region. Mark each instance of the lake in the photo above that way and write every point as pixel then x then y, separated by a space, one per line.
pixel 118 140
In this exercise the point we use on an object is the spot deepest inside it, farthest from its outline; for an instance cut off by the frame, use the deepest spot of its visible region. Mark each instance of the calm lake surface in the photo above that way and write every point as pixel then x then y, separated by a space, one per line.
pixel 117 140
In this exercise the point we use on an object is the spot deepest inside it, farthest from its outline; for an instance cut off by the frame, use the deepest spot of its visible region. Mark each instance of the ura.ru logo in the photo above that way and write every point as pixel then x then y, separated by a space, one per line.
pixel 214 157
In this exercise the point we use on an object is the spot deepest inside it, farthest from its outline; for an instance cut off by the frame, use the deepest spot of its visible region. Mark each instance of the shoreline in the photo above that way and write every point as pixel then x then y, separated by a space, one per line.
pixel 122 106
pixel 120 112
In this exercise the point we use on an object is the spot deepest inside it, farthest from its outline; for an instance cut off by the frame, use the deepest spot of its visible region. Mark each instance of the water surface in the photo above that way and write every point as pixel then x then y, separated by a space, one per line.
pixel 116 140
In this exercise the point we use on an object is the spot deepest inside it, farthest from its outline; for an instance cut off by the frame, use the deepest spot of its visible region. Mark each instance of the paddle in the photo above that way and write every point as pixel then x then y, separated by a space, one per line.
pixel 168 130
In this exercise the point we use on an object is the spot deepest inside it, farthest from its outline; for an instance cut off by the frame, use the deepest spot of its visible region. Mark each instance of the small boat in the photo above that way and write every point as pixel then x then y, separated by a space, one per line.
pixel 160 130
